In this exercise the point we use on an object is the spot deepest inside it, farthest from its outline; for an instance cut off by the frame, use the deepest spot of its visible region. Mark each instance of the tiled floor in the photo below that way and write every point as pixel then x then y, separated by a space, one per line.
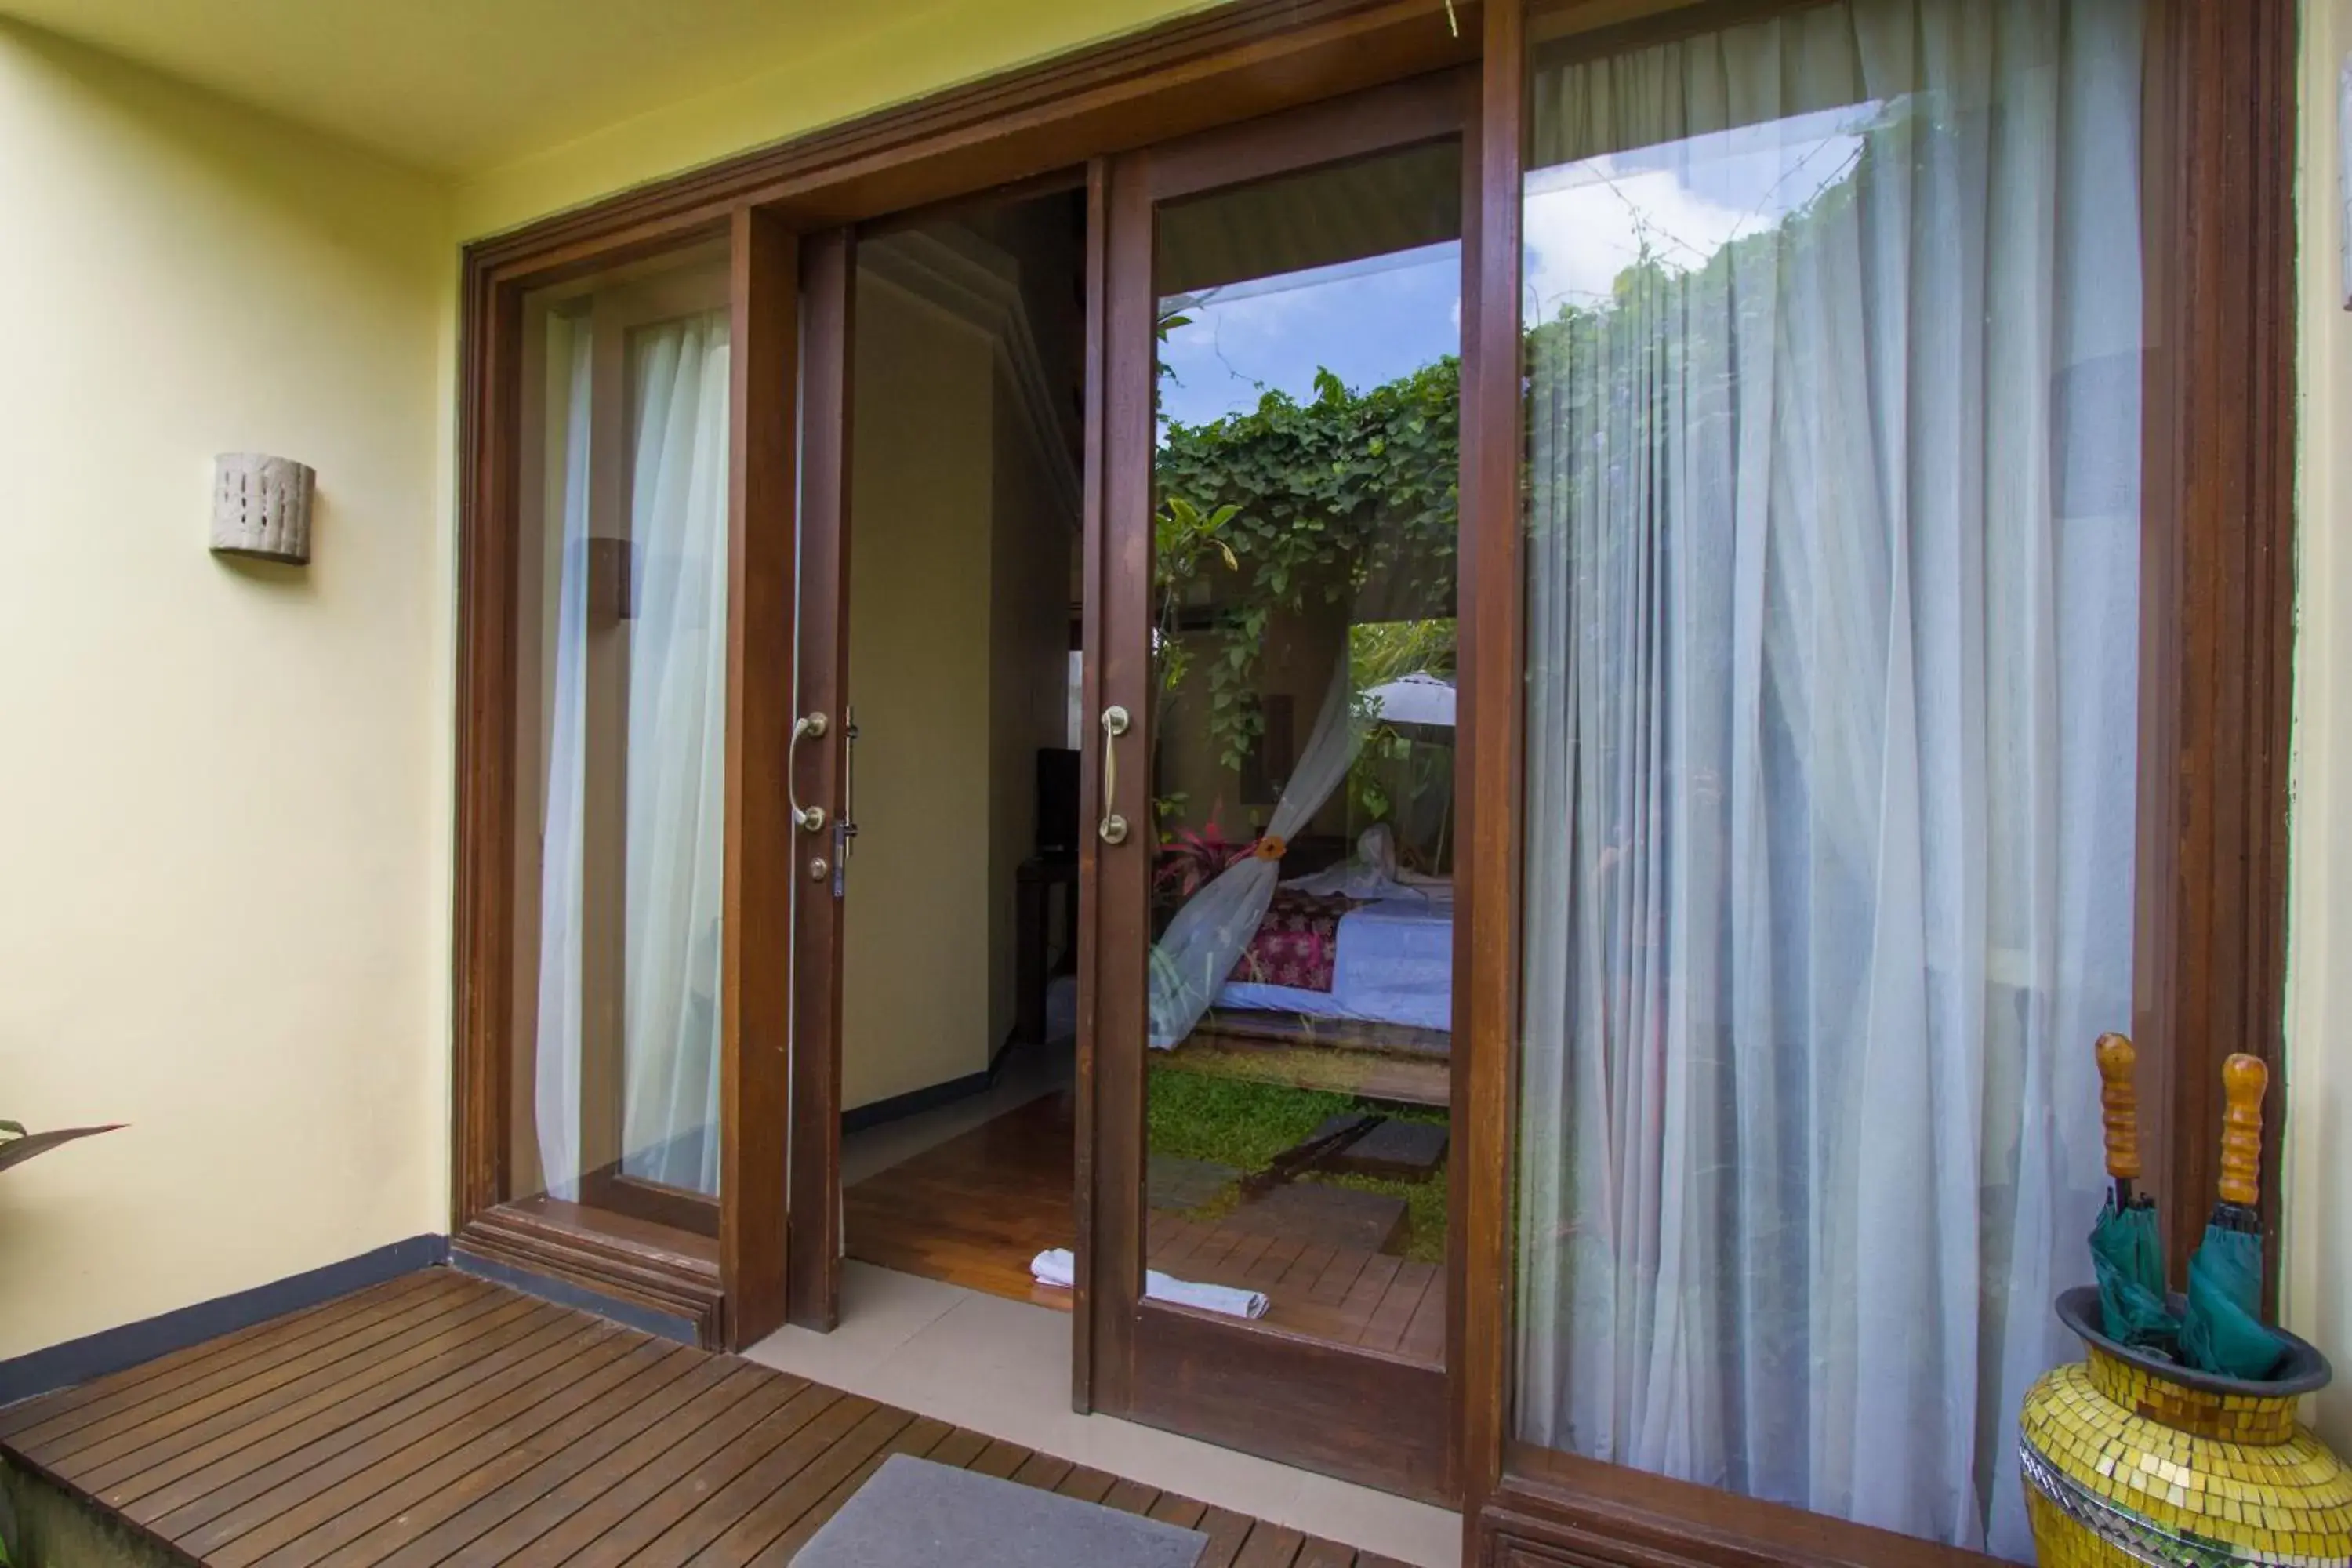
pixel 1002 1367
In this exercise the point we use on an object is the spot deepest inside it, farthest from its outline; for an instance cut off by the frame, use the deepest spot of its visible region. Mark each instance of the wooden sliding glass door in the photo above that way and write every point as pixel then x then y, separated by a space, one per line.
pixel 1273 751
pixel 624 909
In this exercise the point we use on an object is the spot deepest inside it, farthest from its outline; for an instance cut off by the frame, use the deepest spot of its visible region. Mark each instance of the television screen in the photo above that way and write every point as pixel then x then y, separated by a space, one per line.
pixel 1057 801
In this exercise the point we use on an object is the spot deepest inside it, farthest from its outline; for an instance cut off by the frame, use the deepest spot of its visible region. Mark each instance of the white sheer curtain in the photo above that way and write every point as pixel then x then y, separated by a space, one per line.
pixel 1207 937
pixel 1832 642
pixel 676 730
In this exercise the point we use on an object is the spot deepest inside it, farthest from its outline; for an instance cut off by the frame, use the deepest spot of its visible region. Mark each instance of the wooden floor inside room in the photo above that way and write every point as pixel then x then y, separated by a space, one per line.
pixel 442 1419
pixel 974 1210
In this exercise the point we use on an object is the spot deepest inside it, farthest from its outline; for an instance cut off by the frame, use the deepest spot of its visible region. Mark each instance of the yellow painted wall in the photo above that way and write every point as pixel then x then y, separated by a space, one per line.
pixel 2317 1261
pixel 223 818
pixel 915 951
pixel 774 100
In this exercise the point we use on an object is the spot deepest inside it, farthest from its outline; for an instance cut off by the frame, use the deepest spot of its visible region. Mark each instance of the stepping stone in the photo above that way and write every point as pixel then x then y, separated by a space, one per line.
pixel 1402 1151
pixel 1182 1185
pixel 1313 1212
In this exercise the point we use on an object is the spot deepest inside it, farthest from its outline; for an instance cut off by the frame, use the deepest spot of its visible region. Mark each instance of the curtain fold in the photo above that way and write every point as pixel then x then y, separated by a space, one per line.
pixel 669 877
pixel 1196 955
pixel 1833 607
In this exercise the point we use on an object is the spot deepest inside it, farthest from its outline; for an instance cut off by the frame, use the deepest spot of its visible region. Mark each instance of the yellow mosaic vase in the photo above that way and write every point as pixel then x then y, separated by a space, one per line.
pixel 2130 1459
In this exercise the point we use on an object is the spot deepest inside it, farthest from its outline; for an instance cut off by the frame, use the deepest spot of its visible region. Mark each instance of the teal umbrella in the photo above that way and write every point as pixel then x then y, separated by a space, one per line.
pixel 2126 1254
pixel 2222 1331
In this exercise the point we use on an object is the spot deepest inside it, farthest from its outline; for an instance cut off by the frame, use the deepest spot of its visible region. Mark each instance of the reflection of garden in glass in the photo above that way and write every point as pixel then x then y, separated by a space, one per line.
pixel 1302 783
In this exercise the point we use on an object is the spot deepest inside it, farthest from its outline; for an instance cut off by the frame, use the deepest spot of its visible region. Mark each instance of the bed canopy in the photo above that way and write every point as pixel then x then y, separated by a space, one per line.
pixel 1193 959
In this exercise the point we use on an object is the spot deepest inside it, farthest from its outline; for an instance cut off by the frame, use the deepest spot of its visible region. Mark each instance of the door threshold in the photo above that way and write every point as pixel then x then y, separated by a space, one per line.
pixel 1002 1367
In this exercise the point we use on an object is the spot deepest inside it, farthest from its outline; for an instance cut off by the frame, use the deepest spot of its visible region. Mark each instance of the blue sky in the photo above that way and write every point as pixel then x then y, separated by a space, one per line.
pixel 1367 322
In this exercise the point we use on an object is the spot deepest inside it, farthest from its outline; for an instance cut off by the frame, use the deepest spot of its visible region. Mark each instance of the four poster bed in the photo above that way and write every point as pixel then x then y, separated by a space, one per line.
pixel 1340 978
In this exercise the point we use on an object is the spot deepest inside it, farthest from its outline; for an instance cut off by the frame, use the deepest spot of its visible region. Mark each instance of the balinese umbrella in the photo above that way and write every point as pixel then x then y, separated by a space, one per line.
pixel 2126 1252
pixel 2222 1331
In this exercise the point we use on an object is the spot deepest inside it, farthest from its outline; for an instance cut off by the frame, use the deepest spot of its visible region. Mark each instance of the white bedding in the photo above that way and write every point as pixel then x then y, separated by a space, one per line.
pixel 1394 963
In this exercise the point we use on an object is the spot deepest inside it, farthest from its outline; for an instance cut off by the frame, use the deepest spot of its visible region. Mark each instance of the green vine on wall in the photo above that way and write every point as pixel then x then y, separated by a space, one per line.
pixel 1305 503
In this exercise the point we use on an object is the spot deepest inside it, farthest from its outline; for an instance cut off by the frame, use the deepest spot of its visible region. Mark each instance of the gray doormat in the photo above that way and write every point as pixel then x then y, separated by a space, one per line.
pixel 913 1513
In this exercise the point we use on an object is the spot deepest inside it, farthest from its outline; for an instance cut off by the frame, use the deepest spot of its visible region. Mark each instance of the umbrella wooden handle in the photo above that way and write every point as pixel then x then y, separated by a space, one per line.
pixel 2119 1103
pixel 2244 1079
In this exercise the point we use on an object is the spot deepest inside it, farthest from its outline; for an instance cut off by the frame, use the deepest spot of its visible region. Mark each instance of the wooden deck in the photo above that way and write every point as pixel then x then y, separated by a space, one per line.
pixel 440 1419
pixel 975 1210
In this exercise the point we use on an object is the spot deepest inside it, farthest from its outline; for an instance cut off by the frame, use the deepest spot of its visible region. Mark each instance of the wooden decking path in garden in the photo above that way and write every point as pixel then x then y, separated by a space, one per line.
pixel 441 1419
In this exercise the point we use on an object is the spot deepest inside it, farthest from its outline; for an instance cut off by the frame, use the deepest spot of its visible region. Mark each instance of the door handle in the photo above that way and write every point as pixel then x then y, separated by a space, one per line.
pixel 1115 723
pixel 811 818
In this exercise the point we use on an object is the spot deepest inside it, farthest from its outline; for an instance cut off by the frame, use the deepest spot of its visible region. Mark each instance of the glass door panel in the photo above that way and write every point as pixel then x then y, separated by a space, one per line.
pixel 1303 758
pixel 622 670
pixel 1833 331
pixel 1274 740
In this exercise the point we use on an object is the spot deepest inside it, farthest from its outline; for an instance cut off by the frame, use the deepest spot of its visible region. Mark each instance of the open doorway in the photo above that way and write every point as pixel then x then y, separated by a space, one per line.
pixel 959 863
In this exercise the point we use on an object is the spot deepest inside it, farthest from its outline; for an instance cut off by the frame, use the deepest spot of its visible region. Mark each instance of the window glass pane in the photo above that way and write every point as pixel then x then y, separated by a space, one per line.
pixel 1302 771
pixel 623 671
pixel 1833 331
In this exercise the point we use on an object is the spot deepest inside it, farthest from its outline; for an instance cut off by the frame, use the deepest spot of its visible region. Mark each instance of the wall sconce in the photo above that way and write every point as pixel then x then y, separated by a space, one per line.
pixel 261 507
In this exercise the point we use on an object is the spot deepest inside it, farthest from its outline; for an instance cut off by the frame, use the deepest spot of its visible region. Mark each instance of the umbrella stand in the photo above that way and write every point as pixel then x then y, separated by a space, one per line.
pixel 2130 1458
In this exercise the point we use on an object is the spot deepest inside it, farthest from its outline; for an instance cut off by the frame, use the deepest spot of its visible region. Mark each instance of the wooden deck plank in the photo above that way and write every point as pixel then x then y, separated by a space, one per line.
pixel 1086 1483
pixel 1131 1497
pixel 921 1437
pixel 287 1486
pixel 960 1449
pixel 485 1512
pixel 39 1425
pixel 1001 1460
pixel 447 1487
pixel 836 1411
pixel 1269 1546
pixel 1043 1472
pixel 1226 1530
pixel 396 1477
pixel 452 1422
pixel 160 1419
pixel 211 1356
pixel 788 1479
pixel 174 1498
pixel 575 1511
pixel 107 1463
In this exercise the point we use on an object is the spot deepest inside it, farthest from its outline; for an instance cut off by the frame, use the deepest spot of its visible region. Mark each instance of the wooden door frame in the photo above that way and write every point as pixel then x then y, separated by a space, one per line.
pixel 2216 627
pixel 1143 1360
pixel 2218 589
pixel 1240 60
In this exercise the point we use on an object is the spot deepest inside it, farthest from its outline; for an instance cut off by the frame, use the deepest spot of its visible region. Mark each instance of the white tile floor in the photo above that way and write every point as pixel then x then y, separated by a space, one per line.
pixel 1003 1368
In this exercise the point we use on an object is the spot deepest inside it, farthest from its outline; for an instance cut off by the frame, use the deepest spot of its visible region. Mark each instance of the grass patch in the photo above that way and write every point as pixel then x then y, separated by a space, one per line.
pixel 1247 1125
pixel 1195 1116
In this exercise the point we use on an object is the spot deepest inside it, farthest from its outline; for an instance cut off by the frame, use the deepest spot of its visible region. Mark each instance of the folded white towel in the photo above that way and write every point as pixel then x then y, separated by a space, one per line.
pixel 1057 1266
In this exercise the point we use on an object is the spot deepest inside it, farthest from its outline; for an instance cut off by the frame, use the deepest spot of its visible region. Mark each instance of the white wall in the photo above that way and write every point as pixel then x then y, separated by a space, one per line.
pixel 2317 1257
pixel 224 821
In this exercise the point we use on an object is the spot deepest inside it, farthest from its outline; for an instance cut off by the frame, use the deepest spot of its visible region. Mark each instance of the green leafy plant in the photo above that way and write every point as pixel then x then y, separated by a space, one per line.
pixel 1315 500
pixel 16 1145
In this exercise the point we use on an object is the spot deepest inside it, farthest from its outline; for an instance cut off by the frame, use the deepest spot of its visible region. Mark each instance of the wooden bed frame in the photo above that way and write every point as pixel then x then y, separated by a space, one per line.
pixel 1396 1062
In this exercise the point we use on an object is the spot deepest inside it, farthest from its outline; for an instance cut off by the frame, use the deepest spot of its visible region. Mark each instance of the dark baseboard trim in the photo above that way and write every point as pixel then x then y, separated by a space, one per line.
pixel 580 1298
pixel 915 1102
pixel 111 1350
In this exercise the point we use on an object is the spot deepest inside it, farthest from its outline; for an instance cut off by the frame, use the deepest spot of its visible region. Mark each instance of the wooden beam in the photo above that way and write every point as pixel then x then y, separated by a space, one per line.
pixel 755 994
pixel 829 284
